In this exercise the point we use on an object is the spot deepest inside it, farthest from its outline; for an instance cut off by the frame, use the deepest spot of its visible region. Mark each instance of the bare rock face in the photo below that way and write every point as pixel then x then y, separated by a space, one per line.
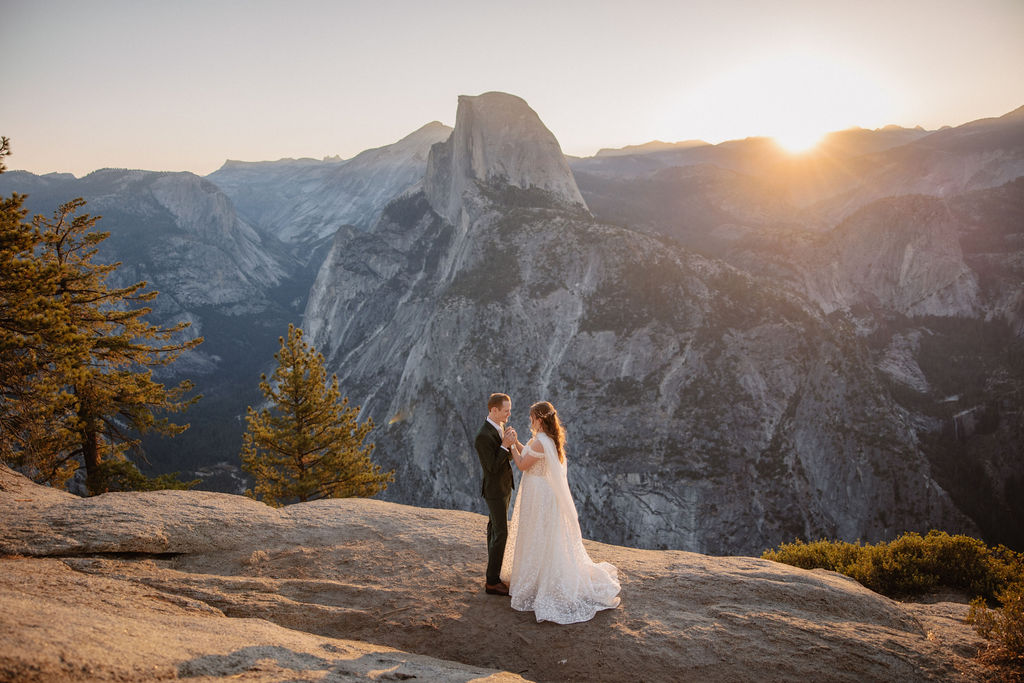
pixel 177 231
pixel 497 137
pixel 991 227
pixel 912 244
pixel 898 361
pixel 303 201
pixel 899 255
pixel 218 586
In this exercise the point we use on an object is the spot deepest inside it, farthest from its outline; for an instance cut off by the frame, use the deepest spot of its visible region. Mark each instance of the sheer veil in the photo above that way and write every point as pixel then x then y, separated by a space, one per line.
pixel 546 565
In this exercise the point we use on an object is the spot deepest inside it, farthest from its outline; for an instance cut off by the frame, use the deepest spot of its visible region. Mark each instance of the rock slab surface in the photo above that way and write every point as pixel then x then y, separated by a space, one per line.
pixel 209 586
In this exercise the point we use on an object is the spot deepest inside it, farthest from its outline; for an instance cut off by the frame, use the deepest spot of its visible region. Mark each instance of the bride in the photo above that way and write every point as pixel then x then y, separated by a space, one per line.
pixel 546 566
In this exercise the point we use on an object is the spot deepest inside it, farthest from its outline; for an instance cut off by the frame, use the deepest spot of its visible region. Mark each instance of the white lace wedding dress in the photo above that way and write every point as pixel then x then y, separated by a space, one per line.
pixel 545 565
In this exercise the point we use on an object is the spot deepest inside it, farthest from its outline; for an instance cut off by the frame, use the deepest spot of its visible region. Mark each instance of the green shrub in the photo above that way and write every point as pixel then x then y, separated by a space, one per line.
pixel 912 564
pixel 123 475
pixel 1003 626
pixel 834 555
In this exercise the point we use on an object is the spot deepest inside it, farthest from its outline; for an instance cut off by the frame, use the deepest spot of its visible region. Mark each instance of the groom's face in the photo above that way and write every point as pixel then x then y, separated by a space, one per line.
pixel 500 415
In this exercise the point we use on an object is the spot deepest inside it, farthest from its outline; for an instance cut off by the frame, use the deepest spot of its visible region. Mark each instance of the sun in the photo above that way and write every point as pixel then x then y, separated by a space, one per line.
pixel 798 140
pixel 795 97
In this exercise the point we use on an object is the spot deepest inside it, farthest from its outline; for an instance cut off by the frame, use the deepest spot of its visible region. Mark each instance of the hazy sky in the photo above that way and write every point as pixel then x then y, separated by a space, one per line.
pixel 184 85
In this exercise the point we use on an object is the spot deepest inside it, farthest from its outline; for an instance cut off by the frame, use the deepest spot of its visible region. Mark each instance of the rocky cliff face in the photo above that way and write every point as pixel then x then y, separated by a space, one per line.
pixel 900 255
pixel 176 230
pixel 304 201
pixel 990 226
pixel 707 409
pixel 497 139
pixel 914 238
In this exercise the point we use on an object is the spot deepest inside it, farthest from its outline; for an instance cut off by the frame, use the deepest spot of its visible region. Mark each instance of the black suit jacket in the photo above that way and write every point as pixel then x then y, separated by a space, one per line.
pixel 494 460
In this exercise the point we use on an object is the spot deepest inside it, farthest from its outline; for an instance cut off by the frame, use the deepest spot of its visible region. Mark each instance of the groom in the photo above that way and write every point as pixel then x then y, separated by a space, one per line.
pixel 492 446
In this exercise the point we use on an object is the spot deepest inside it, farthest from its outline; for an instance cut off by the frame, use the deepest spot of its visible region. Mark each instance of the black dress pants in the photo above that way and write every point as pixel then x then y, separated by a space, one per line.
pixel 497 535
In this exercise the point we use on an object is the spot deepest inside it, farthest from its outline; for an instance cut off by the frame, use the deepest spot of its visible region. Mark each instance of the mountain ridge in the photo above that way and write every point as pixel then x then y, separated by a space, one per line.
pixel 303 204
pixel 517 291
pixel 788 376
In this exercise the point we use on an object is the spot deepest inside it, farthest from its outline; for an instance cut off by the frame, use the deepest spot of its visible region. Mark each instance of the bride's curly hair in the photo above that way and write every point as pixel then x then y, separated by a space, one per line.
pixel 548 416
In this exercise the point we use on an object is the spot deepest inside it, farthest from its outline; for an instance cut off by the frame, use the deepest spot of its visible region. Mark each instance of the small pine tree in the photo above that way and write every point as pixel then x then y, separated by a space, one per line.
pixel 311 446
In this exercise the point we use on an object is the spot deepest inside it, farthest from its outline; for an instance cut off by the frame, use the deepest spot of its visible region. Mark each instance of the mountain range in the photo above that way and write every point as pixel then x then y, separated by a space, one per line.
pixel 746 346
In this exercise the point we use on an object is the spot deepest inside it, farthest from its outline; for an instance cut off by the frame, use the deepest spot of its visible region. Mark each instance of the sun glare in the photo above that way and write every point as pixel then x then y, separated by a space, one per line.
pixel 794 98
pixel 798 141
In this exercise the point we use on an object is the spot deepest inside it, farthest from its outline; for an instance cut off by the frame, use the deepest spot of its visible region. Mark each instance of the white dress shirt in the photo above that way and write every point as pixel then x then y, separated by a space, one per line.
pixel 501 432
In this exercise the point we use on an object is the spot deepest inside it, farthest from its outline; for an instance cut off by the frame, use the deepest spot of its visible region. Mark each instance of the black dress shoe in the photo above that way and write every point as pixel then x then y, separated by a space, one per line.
pixel 499 588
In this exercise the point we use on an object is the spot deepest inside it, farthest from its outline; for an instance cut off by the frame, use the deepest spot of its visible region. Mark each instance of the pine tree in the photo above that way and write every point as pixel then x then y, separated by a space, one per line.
pixel 311 446
pixel 115 399
pixel 75 354
pixel 37 343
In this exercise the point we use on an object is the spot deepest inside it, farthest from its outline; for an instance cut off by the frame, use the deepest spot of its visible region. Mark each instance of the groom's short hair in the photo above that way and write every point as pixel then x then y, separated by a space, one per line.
pixel 497 400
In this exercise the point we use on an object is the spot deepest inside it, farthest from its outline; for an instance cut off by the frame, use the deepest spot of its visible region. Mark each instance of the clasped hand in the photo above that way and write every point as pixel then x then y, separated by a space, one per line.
pixel 510 437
